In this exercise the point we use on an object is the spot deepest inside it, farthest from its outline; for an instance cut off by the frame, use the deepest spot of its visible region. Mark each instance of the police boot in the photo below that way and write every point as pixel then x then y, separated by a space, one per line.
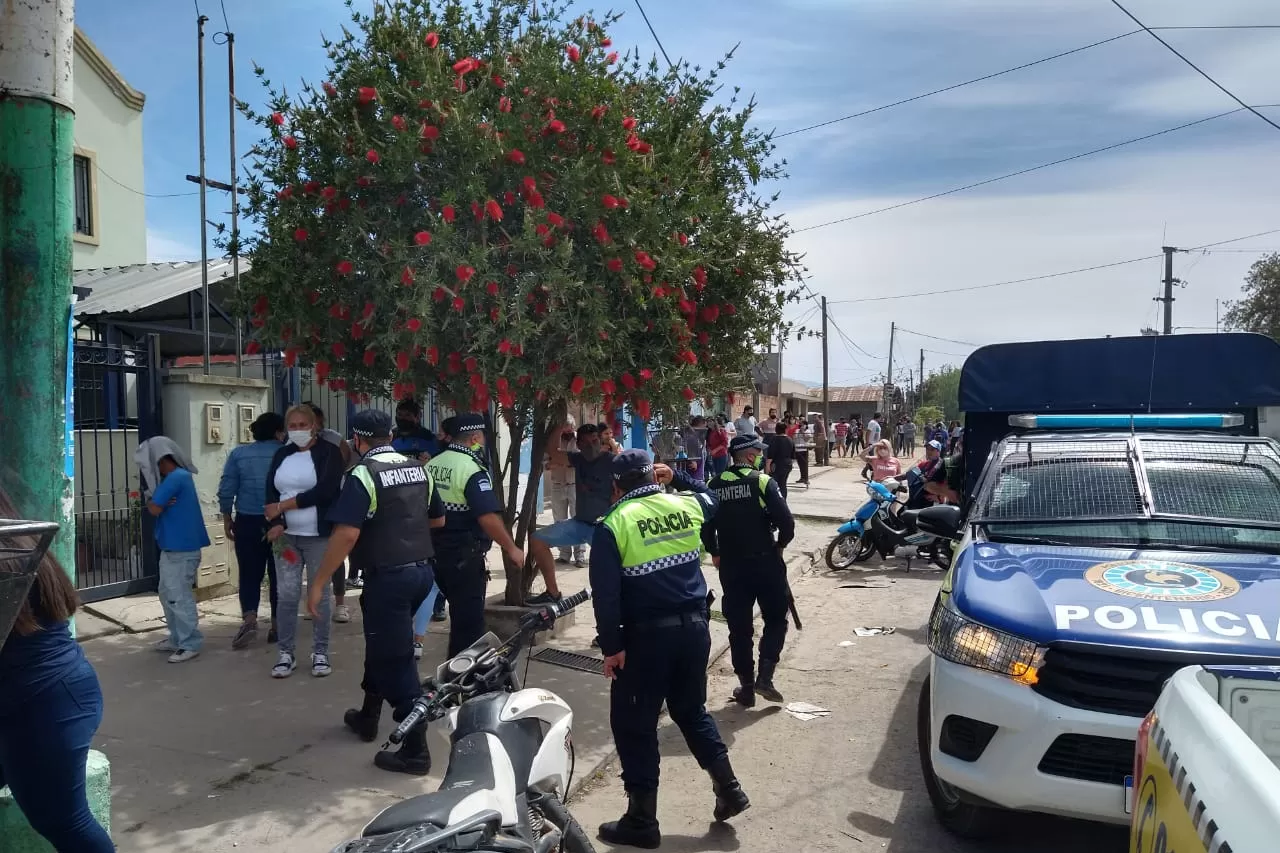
pixel 364 721
pixel 639 826
pixel 412 757
pixel 745 693
pixel 730 798
pixel 764 681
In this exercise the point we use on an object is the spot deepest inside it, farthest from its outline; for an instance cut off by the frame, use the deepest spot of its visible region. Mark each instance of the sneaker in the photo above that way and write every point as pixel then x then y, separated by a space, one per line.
pixel 355 583
pixel 183 655
pixel 341 613
pixel 320 665
pixel 543 598
pixel 164 646
pixel 562 558
pixel 306 613
pixel 284 666
pixel 439 615
pixel 579 563
pixel 247 634
pixel 417 651
pixel 595 642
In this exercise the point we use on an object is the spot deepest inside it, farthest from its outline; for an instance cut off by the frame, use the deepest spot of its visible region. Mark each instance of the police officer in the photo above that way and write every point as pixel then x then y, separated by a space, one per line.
pixel 650 602
pixel 382 518
pixel 751 567
pixel 474 522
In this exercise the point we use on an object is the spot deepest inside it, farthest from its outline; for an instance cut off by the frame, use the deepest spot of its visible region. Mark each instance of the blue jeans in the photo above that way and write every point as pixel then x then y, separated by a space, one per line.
pixel 566 534
pixel 44 743
pixel 719 464
pixel 423 616
pixel 256 559
pixel 178 598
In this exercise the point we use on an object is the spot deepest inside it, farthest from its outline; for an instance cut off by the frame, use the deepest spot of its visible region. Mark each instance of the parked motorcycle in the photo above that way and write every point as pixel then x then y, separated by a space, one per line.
pixel 881 525
pixel 510 764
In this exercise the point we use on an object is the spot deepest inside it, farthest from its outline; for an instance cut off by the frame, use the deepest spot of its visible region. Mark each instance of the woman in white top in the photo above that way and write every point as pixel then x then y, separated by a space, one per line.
pixel 304 479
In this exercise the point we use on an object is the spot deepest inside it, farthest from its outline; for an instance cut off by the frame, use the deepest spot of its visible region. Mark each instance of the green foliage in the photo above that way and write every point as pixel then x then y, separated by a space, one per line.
pixel 929 415
pixel 1259 310
pixel 942 391
pixel 501 209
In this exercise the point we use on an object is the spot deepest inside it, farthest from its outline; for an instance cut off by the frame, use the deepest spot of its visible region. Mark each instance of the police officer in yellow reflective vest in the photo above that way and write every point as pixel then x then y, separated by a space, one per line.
pixel 651 608
pixel 383 518
pixel 473 523
pixel 751 566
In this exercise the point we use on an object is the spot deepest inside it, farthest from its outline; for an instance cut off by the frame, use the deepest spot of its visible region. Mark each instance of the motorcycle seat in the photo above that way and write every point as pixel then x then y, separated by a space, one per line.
pixel 909 517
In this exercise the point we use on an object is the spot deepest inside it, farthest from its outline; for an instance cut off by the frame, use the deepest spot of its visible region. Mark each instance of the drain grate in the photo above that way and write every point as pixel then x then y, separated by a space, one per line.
pixel 570 660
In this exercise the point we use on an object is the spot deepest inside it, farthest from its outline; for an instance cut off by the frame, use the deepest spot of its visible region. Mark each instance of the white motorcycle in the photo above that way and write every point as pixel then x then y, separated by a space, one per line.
pixel 510 764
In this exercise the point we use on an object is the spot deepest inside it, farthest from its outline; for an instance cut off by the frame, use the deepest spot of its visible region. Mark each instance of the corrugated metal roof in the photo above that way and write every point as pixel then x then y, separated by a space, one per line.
pixel 855 394
pixel 119 290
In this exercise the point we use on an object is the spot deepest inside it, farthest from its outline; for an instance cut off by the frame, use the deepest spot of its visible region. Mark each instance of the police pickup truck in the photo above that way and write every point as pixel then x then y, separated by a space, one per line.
pixel 1102 551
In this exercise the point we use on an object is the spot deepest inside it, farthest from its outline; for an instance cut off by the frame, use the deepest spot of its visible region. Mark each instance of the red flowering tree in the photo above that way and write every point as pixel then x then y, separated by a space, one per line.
pixel 502 209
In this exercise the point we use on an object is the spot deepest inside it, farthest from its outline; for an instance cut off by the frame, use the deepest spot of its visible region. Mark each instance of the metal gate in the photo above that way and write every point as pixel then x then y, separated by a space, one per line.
pixel 117 405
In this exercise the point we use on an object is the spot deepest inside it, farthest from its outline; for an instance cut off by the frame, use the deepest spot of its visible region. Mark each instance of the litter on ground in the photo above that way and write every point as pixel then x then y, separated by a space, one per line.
pixel 874 631
pixel 805 711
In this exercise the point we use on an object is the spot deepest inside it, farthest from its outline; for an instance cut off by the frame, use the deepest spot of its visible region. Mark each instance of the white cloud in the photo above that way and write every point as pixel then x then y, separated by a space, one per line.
pixel 164 246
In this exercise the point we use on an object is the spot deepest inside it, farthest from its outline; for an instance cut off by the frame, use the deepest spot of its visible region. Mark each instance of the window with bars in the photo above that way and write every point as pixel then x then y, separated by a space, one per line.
pixel 83 169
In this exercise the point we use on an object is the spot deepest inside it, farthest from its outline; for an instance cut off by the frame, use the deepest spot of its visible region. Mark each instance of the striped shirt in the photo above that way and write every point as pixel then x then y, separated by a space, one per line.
pixel 244 478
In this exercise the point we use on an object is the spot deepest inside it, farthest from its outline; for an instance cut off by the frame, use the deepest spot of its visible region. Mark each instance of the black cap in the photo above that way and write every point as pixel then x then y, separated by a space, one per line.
pixel 464 422
pixel 449 426
pixel 633 461
pixel 371 423
pixel 745 442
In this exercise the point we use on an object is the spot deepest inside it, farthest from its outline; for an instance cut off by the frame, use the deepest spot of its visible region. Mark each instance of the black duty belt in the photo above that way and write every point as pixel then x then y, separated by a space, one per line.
pixel 674 621
pixel 370 572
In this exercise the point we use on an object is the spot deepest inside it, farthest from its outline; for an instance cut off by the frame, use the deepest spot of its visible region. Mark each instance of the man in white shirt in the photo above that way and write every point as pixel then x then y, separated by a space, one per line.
pixel 873 435
pixel 746 424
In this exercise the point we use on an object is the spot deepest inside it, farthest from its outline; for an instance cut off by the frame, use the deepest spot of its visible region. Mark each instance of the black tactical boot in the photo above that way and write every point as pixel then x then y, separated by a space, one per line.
pixel 764 681
pixel 639 826
pixel 364 721
pixel 730 798
pixel 745 694
pixel 412 757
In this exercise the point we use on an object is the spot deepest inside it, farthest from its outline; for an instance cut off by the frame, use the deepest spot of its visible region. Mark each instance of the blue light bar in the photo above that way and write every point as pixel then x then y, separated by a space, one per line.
pixel 1135 421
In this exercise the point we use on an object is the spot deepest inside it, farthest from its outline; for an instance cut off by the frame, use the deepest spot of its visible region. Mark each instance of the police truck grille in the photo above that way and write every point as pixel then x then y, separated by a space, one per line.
pixel 1089 757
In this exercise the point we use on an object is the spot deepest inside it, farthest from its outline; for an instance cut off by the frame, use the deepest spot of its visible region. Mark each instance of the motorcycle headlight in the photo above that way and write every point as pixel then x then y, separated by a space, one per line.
pixel 960 640
pixel 871 491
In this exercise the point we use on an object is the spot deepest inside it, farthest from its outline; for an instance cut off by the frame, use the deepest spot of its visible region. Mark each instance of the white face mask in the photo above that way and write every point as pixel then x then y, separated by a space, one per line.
pixel 300 437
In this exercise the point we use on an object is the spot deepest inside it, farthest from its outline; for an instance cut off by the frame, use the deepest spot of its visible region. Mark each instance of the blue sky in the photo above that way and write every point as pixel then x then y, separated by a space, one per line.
pixel 812 60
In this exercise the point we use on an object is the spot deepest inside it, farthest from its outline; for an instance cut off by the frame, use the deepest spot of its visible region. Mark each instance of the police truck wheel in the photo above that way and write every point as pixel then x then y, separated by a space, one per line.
pixel 955 814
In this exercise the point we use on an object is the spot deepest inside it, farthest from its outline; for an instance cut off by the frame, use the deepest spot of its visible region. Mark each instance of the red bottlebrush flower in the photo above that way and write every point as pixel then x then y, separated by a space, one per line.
pixel 465 66
pixel 528 184
pixel 498 81
pixel 504 104
pixel 335 311
pixel 300 234
pixel 345 267
pixel 369 308
pixel 339 349
pixel 406 276
pixel 365 180
pixel 642 409
pixel 290 555
pixel 413 324
pixel 422 238
pixel 367 94
pixel 555 220
pixel 600 232
pixel 608 157
pixel 310 187
pixel 458 304
pixel 556 126
pixel 429 131
pixel 577 386
pixel 574 53
pixel 492 288
pixel 611 202
pixel 628 381
pixel 683 238
pixel 614 264
pixel 372 156
pixel 329 192
pixel 508 198
pixel 700 277
pixel 252 348
pixel 703 338
pixel 398 122
pixel 643 259
pixel 433 355
pixel 357 332
pixel 608 387
pixel 439 294
pixel 402 361
pixel 465 273
pixel 504 346
pixel 598 112
pixel 512 270
pixel 277 119
pixel 710 313
pixel 535 200
pixel 659 292
pixel 448 213
pixel 688 394
pixel 432 40
pixel 686 307
pixel 542 230
pixel 369 357
pixel 629 123
pixel 471 364
pixel 515 155
pixel 289 142
pixel 611 58
pixel 501 383
pixel 730 309
pixel 606 42
pixel 642 148
pixel 553 367
pixel 329 89
pixel 477 211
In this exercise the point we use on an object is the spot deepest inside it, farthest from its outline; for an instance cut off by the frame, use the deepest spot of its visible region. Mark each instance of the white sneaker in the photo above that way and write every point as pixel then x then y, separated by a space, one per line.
pixel 341 613
pixel 320 665
pixel 183 655
pixel 284 666
pixel 166 646
pixel 417 651
pixel 306 614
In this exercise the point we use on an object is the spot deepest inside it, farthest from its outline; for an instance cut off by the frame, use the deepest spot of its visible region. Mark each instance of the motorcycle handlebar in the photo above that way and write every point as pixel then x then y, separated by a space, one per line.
pixel 564 605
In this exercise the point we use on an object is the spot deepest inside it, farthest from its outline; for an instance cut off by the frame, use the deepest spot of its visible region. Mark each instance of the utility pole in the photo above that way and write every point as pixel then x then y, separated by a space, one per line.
pixel 204 216
pixel 235 202
pixel 887 392
pixel 826 386
pixel 920 402
pixel 1169 282
pixel 37 221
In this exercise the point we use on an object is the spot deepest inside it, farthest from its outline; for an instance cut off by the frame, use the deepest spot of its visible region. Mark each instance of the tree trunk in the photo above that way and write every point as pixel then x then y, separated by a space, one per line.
pixel 529 508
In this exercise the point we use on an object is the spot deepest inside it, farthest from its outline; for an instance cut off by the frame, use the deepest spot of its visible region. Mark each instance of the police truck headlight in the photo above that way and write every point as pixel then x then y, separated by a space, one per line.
pixel 959 640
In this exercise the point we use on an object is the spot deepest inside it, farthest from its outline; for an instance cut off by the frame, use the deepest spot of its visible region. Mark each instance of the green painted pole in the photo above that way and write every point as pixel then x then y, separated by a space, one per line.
pixel 37 222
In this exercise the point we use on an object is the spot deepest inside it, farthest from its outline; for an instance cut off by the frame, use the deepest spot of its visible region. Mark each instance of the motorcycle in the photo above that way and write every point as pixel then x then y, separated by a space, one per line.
pixel 510 763
pixel 881 525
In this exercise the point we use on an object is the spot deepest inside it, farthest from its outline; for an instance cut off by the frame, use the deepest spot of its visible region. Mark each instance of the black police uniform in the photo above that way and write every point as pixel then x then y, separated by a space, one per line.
pixel 655 609
pixel 751 568
pixel 390 498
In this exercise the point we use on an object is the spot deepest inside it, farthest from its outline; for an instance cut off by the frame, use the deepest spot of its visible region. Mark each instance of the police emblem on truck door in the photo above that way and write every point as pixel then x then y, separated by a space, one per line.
pixel 1156 580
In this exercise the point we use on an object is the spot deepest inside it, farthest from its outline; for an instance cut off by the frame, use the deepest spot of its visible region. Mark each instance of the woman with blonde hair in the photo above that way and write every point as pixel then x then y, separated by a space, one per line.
pixel 884 465
pixel 304 479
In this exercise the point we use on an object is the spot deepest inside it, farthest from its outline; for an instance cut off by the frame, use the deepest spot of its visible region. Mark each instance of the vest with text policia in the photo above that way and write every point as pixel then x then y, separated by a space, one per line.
pixel 397 530
pixel 451 471
pixel 659 538
pixel 743 527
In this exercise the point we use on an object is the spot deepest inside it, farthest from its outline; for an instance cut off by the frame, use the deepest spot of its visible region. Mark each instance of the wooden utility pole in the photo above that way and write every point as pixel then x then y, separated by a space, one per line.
pixel 886 403
pixel 920 402
pixel 826 387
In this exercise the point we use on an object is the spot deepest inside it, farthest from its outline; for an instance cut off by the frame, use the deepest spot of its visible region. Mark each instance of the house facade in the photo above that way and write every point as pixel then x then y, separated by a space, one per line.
pixel 110 213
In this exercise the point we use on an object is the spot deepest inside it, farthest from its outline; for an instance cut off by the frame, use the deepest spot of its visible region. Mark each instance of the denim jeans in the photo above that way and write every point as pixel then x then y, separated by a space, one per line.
pixel 254 554
pixel 302 551
pixel 178 598
pixel 423 616
pixel 44 743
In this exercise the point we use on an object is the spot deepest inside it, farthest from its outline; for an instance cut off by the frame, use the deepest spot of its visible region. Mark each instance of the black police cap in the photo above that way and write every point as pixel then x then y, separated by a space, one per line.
pixel 745 442
pixel 371 423
pixel 629 462
pixel 464 422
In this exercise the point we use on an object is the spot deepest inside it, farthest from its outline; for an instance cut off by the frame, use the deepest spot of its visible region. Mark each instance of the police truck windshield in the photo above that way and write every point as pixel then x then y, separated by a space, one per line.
pixel 1151 491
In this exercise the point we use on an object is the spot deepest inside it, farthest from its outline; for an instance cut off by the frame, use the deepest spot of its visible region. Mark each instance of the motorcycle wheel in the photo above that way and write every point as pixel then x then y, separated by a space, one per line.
pixel 574 839
pixel 847 549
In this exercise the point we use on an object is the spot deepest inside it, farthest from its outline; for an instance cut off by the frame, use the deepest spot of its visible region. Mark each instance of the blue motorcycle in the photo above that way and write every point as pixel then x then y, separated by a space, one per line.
pixel 881 525
pixel 854 542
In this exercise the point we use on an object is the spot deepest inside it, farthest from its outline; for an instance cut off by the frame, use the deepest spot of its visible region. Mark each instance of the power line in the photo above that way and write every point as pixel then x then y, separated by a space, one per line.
pixel 936 338
pixel 125 186
pixel 952 354
pixel 851 341
pixel 654 33
pixel 1195 67
pixel 225 22
pixel 1026 171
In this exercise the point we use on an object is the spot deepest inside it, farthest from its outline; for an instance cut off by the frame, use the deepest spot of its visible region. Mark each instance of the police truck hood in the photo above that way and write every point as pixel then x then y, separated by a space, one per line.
pixel 1224 602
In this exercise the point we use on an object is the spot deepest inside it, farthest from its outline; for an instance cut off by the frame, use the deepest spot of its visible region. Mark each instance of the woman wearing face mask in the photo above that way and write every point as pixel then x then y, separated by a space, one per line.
pixel 884 465
pixel 304 479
